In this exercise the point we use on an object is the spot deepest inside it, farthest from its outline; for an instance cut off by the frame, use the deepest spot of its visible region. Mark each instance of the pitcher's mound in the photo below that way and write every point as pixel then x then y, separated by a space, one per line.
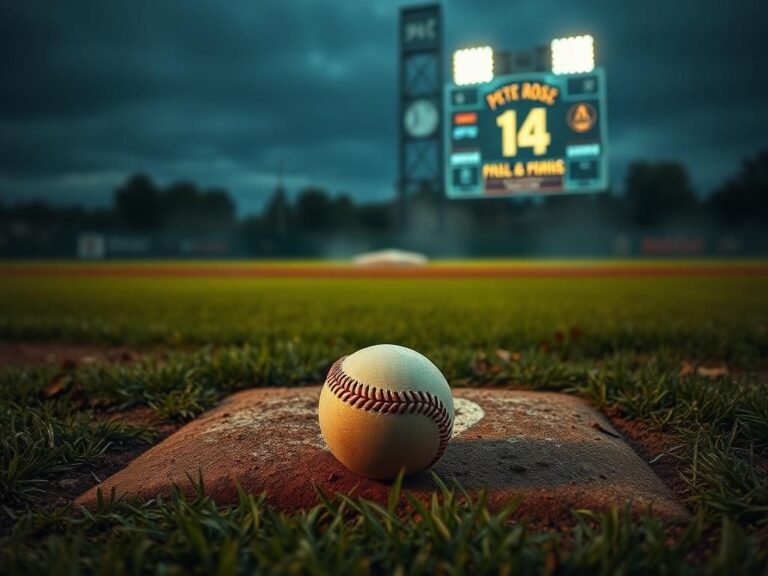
pixel 554 450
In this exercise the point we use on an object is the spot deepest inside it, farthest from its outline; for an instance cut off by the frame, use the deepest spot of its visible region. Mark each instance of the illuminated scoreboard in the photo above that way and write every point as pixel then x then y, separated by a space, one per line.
pixel 527 134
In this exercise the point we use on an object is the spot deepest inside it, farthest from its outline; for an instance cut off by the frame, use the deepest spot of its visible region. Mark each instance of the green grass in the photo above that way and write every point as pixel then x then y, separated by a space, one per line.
pixel 700 318
pixel 41 442
pixel 618 342
pixel 454 534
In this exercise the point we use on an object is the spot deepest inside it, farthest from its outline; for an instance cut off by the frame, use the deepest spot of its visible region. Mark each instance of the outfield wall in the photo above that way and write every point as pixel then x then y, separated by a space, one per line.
pixel 519 243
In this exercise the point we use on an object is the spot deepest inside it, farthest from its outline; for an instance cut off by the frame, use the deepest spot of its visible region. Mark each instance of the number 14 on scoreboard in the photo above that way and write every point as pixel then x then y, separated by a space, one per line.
pixel 532 134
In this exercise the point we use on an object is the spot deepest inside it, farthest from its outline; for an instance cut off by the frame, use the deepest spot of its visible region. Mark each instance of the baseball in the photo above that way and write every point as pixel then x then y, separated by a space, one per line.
pixel 384 408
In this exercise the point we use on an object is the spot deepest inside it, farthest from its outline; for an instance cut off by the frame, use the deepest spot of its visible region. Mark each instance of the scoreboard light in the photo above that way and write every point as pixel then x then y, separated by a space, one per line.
pixel 473 66
pixel 573 55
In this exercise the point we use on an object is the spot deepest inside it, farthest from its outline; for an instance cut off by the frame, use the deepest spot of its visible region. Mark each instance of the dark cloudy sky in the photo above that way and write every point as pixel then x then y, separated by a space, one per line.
pixel 222 92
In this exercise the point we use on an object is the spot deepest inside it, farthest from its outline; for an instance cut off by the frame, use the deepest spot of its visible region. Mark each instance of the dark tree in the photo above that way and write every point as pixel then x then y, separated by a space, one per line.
pixel 277 214
pixel 743 200
pixel 658 193
pixel 137 204
pixel 35 212
pixel 182 211
pixel 345 213
pixel 376 217
pixel 218 211
pixel 314 210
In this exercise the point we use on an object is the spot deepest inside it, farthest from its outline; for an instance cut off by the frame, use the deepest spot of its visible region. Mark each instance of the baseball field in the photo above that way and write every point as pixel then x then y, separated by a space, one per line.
pixel 99 362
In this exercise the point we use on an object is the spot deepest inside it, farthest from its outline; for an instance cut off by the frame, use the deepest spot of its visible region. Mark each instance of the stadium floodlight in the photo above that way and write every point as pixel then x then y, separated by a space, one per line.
pixel 573 55
pixel 473 65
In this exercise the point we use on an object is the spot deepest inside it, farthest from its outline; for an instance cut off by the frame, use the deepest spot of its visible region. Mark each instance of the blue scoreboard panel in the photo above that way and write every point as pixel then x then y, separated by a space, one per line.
pixel 527 134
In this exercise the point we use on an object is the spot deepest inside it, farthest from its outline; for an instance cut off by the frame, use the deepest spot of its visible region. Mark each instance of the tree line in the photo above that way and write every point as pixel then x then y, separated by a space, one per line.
pixel 656 195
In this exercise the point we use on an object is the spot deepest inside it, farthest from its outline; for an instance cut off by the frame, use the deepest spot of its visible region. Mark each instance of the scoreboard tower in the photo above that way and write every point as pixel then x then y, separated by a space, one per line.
pixel 421 117
pixel 528 123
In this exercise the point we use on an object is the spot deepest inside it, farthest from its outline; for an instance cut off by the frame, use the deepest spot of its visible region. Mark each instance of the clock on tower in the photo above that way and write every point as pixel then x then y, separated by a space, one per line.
pixel 421 118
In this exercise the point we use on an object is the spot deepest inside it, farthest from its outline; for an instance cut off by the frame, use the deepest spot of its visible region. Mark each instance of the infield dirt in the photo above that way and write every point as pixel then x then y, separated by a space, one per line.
pixel 602 269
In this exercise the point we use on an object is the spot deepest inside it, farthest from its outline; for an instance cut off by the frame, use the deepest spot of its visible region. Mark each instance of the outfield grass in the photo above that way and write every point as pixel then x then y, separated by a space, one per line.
pixel 619 342
pixel 699 318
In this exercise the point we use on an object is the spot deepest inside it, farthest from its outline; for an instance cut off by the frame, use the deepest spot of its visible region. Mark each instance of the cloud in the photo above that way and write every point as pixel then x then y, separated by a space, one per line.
pixel 225 94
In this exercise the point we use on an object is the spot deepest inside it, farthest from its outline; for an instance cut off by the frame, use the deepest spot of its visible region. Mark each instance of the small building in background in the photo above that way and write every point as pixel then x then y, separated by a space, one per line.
pixel 91 246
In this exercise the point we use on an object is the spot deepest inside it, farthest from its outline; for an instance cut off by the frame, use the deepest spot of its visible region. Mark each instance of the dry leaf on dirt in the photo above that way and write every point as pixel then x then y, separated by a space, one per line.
pixel 686 369
pixel 482 366
pixel 712 372
pixel 507 356
pixel 58 385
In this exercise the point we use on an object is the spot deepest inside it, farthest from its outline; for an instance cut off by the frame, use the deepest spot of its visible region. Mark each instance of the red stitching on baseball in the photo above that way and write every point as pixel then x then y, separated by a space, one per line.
pixel 372 399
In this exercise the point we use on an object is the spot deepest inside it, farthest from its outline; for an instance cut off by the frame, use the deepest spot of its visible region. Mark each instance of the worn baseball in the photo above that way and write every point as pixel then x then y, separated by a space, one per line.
pixel 386 408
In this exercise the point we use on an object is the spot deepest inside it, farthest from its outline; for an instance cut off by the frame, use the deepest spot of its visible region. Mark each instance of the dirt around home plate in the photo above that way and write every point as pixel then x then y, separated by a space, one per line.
pixel 552 449
pixel 64 354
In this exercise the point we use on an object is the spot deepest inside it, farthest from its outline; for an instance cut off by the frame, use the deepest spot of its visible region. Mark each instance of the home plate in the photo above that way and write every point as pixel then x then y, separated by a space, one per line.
pixel 552 450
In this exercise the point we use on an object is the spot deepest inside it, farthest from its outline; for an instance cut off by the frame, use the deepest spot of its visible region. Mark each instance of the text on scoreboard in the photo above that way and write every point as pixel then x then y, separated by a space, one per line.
pixel 534 133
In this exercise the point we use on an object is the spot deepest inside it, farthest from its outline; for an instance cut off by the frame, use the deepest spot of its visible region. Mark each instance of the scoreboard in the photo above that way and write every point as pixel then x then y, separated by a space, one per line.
pixel 526 134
